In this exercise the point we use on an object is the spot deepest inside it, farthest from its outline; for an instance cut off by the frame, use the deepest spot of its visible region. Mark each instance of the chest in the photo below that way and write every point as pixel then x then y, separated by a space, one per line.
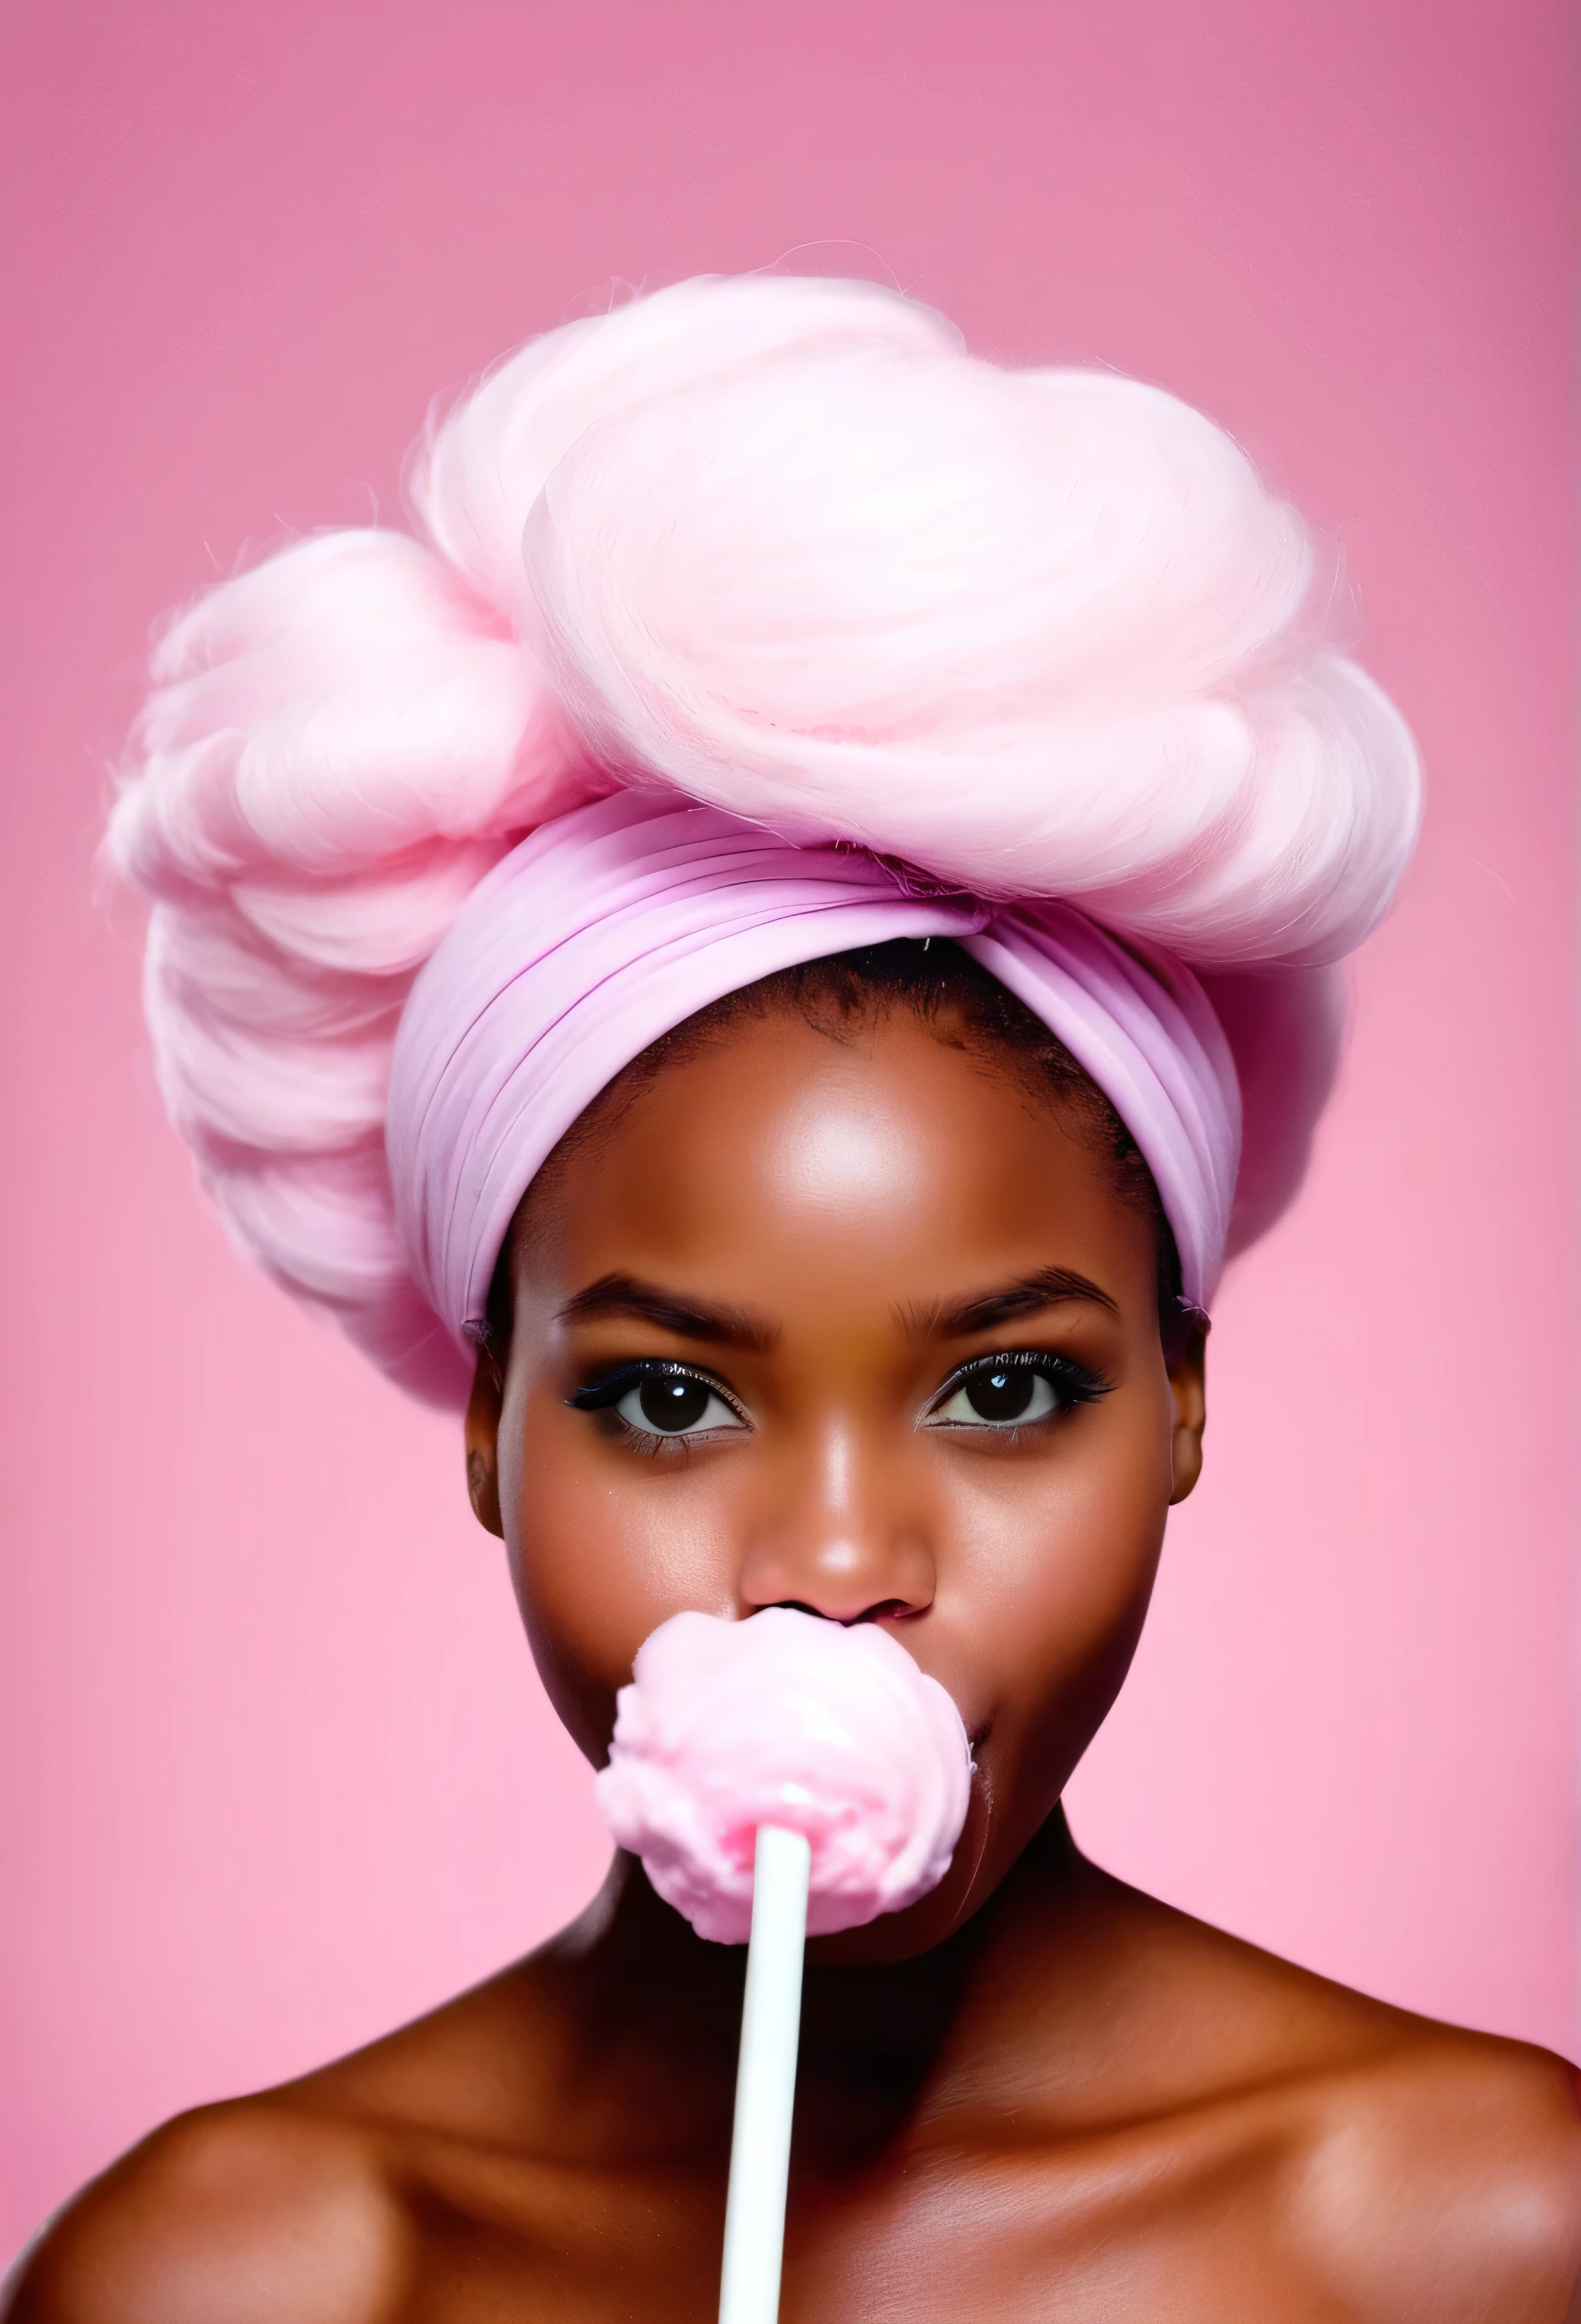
pixel 1081 2232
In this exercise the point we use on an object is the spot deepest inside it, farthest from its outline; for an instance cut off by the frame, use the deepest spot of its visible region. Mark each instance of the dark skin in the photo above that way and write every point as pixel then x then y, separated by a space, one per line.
pixel 1035 2094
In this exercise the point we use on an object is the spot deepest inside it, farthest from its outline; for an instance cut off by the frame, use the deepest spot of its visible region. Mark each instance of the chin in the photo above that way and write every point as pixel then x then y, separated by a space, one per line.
pixel 933 1919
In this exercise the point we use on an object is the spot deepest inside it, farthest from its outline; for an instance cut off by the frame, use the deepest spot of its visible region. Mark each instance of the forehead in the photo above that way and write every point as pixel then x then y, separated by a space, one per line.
pixel 779 1162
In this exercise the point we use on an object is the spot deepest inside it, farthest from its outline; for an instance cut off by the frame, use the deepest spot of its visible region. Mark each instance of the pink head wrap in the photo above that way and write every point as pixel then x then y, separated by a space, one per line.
pixel 614 924
pixel 755 556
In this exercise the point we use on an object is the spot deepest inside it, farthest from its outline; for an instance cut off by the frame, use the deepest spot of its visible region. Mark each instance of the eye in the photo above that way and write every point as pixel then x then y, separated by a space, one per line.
pixel 1012 1391
pixel 658 1399
pixel 999 1399
pixel 676 1405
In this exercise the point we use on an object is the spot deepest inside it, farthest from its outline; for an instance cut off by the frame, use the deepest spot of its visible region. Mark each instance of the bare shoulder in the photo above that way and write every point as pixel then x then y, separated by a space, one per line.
pixel 1413 2170
pixel 300 2205
pixel 261 2212
pixel 1442 2177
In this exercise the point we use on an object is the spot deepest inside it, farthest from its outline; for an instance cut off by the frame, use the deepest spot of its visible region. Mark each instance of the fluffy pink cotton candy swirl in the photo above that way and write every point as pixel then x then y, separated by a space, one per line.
pixel 785 1720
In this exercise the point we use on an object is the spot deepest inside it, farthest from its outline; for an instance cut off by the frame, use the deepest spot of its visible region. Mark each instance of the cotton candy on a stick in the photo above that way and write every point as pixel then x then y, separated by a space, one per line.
pixel 780 1775
pixel 789 1720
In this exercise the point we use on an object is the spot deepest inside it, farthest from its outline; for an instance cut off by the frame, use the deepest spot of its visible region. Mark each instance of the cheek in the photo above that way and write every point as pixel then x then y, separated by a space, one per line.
pixel 602 1549
pixel 1045 1575
pixel 1047 1591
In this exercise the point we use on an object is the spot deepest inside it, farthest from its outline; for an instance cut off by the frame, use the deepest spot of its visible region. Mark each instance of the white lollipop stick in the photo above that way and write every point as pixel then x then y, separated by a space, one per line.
pixel 851 1771
pixel 766 2080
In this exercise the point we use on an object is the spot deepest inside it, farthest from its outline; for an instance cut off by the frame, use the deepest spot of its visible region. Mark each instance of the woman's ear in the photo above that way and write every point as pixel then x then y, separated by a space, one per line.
pixel 482 1443
pixel 1188 1379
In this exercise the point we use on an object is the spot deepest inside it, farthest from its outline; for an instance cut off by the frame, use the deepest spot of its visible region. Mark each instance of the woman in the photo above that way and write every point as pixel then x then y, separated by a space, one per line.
pixel 774 955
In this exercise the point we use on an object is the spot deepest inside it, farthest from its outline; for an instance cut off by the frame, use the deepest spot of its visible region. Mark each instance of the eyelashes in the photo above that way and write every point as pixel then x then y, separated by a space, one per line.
pixel 653 1401
pixel 1014 1391
pixel 657 1400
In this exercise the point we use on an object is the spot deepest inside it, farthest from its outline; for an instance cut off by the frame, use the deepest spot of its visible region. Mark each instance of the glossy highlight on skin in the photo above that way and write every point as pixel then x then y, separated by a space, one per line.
pixel 1033 2093
pixel 882 1248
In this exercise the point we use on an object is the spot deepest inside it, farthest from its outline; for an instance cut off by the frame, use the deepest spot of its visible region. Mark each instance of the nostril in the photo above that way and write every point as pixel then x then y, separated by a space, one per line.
pixel 887 1610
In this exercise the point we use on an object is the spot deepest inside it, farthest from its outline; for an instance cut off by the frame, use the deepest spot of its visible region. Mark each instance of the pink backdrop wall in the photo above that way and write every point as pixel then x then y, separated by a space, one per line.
pixel 276 1768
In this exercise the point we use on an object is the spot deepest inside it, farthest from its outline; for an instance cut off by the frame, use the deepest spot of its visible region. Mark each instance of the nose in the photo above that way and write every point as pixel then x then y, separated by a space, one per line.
pixel 837 1540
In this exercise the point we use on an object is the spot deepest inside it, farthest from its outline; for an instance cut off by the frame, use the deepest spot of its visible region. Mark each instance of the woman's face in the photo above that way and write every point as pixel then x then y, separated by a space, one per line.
pixel 862 1328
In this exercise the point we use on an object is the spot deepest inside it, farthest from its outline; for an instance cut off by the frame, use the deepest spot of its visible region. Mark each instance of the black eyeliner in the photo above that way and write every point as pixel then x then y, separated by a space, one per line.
pixel 602 1393
pixel 1072 1381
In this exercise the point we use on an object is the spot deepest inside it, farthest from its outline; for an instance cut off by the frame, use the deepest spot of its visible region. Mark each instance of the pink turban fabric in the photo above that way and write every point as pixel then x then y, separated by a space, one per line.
pixel 748 556
pixel 612 925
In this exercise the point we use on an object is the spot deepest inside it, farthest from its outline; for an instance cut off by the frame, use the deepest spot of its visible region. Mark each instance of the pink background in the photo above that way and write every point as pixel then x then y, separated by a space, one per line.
pixel 276 1768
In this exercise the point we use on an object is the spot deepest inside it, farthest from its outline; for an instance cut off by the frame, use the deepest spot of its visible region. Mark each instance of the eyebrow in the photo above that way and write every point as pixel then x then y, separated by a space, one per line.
pixel 1050 1287
pixel 689 1319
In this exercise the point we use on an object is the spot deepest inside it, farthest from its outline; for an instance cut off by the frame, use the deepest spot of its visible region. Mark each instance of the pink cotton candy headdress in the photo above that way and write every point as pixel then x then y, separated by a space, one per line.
pixel 777 560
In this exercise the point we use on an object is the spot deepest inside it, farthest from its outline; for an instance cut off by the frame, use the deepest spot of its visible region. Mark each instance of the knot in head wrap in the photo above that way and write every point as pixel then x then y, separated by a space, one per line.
pixel 611 925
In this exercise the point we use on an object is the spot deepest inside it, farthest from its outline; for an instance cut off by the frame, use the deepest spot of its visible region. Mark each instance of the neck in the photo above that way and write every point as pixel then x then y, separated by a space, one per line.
pixel 660 2007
